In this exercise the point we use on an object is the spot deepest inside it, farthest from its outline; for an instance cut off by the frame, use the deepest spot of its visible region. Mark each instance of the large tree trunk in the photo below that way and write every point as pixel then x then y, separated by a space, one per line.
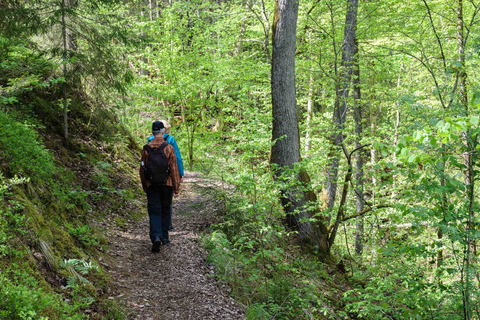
pixel 342 90
pixel 286 150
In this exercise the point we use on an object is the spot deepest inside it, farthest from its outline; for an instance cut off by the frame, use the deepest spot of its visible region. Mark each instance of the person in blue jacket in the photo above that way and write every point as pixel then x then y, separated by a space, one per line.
pixel 171 140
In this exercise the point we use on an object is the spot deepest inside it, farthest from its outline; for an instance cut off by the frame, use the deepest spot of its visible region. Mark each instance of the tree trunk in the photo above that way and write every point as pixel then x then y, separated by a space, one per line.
pixel 358 155
pixel 266 29
pixel 243 29
pixel 342 90
pixel 150 12
pixel 373 160
pixel 309 113
pixel 462 90
pixel 285 151
pixel 285 133
pixel 145 5
pixel 64 56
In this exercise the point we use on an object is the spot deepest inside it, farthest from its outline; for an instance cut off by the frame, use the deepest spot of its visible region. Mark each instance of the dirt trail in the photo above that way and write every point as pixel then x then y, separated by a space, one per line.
pixel 175 283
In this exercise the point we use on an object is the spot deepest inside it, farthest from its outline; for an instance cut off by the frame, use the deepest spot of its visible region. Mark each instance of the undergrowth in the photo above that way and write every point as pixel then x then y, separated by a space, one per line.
pixel 259 259
pixel 49 247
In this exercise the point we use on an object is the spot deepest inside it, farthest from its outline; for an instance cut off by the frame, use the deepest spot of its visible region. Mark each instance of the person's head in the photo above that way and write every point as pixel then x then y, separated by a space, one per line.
pixel 158 128
pixel 166 125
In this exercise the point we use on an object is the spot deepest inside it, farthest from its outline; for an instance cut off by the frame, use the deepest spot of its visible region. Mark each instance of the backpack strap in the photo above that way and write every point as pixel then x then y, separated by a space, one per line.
pixel 164 145
pixel 148 148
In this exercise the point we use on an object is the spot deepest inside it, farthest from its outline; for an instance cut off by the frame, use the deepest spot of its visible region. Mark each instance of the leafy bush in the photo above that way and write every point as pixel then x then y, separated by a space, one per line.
pixel 22 151
pixel 20 299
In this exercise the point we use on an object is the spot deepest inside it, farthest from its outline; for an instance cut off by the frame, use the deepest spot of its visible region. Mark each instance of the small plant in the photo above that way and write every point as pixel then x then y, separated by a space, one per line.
pixel 11 224
pixel 101 176
pixel 85 235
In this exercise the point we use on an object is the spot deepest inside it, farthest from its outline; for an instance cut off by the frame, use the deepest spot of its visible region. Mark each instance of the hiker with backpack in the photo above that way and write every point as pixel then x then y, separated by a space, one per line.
pixel 171 140
pixel 160 180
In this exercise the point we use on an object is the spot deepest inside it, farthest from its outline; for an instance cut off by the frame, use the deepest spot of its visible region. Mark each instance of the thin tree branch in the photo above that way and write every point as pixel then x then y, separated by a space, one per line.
pixel 436 35
pixel 363 212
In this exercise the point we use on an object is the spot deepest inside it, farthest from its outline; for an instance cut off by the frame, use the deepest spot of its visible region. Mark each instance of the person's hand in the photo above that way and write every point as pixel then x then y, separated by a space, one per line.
pixel 181 179
pixel 176 194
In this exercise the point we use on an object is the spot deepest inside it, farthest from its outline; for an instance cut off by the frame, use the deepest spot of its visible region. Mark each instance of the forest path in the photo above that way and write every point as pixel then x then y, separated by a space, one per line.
pixel 175 283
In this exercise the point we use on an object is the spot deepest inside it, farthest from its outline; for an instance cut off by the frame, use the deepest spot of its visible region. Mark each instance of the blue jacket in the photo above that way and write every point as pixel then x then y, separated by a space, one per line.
pixel 171 140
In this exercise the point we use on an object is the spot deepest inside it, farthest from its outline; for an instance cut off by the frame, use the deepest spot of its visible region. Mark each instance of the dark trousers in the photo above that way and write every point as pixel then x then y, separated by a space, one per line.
pixel 159 203
pixel 170 226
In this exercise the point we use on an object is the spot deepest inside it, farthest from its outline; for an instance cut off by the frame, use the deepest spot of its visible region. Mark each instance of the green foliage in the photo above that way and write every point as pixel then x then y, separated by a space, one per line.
pixel 24 153
pixel 101 176
pixel 85 235
pixel 11 224
pixel 21 299
pixel 252 252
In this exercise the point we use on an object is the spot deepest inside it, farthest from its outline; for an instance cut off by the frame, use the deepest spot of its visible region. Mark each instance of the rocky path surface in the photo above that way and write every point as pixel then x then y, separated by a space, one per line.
pixel 175 283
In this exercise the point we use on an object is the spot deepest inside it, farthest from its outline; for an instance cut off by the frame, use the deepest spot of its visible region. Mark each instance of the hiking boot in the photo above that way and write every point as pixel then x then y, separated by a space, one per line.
pixel 156 245
pixel 166 242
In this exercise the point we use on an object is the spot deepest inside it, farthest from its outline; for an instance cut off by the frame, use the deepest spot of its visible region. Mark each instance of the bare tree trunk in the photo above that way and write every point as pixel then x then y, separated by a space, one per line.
pixel 150 12
pixel 145 5
pixel 309 113
pixel 285 151
pixel 341 104
pixel 444 209
pixel 64 56
pixel 358 156
pixel 266 30
pixel 469 186
pixel 396 124
pixel 373 160
pixel 462 90
pixel 243 29
pixel 285 133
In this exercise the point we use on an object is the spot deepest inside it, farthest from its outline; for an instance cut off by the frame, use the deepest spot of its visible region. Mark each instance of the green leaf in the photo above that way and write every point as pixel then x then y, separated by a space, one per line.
pixel 476 99
pixel 412 158
pixel 474 120
pixel 417 135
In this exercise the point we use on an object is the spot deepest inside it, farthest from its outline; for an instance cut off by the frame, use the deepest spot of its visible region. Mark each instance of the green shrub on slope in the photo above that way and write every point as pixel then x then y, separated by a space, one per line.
pixel 21 151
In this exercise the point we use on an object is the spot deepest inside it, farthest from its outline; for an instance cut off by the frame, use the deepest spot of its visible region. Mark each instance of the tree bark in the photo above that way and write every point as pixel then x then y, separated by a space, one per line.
pixel 309 113
pixel 285 151
pixel 341 105
pixel 358 156
pixel 243 29
pixel 145 5
pixel 285 133
pixel 462 90
pixel 266 30
pixel 64 56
